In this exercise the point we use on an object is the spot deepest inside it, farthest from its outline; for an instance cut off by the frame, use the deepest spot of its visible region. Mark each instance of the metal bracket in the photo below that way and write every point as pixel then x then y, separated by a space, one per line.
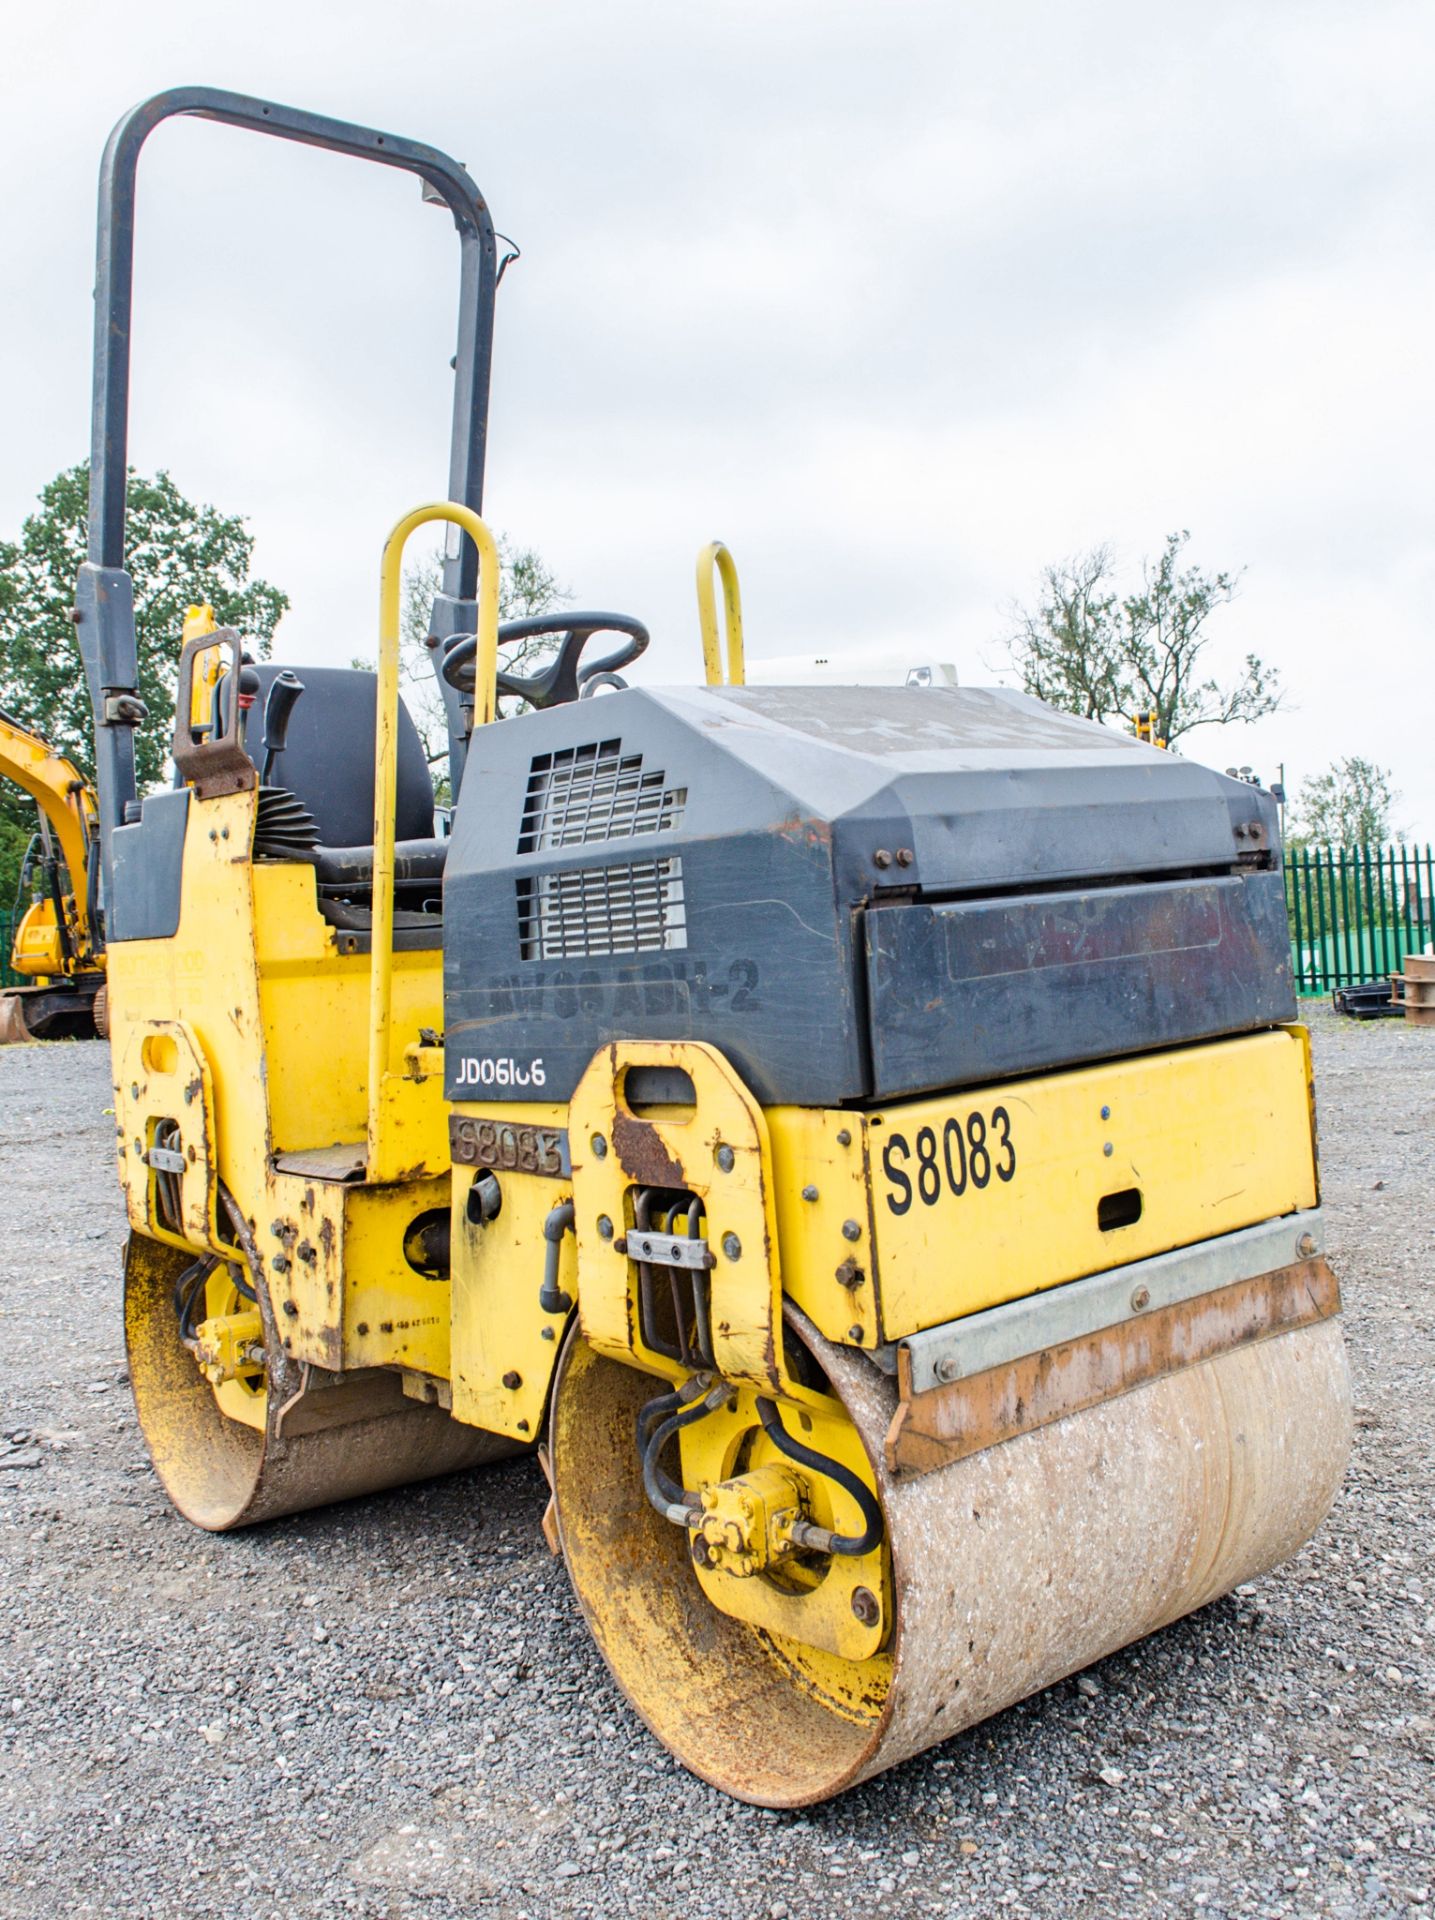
pixel 719 1151
pixel 124 709
pixel 960 1348
pixel 664 1250
pixel 219 765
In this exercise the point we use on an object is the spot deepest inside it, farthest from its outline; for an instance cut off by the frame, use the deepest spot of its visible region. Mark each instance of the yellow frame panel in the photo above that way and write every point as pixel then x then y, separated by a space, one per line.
pixel 1214 1137
pixel 499 1329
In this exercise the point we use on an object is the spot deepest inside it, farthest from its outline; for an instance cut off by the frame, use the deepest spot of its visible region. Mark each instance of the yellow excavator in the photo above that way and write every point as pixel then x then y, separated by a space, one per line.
pixel 53 942
pixel 859 1139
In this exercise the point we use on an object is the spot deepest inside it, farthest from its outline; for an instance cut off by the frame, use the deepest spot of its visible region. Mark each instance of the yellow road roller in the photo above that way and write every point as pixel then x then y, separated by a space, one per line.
pixel 857 1138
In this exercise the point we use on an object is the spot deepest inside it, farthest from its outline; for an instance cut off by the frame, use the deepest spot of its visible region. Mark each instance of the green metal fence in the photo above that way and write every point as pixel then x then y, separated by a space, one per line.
pixel 1355 912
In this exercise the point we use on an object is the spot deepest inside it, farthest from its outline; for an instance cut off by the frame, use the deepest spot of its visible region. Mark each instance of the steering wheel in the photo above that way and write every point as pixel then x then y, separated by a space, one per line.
pixel 560 681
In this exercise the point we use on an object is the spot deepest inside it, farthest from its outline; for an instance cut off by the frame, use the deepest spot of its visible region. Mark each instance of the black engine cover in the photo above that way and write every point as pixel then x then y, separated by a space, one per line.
pixel 857 893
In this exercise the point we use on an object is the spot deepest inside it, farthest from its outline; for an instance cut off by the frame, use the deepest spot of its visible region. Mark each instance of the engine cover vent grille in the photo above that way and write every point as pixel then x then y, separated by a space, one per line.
pixel 633 907
pixel 583 794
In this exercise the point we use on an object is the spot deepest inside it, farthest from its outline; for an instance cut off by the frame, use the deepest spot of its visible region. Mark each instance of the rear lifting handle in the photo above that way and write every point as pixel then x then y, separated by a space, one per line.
pixel 106 628
pixel 716 555
pixel 443 179
pixel 386 1155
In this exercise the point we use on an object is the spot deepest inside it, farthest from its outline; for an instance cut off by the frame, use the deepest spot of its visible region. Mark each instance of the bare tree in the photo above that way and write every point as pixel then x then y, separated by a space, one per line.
pixel 528 586
pixel 1349 805
pixel 1087 648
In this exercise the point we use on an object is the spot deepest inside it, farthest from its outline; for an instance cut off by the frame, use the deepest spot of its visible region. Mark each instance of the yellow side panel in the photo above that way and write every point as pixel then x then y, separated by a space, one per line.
pixel 344 1295
pixel 504 1344
pixel 315 1007
pixel 392 1315
pixel 717 1150
pixel 990 1194
pixel 824 1219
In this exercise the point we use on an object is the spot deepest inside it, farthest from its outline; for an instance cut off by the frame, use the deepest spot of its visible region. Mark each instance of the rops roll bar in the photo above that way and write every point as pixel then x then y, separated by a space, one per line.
pixel 104 609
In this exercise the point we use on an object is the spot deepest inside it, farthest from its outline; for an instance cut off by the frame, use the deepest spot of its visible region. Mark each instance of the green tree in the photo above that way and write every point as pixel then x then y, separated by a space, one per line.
pixel 1088 648
pixel 178 554
pixel 527 587
pixel 1349 805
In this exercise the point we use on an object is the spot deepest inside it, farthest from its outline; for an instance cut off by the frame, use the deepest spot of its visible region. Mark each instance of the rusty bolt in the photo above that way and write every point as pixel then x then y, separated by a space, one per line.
pixel 844 1138
pixel 948 1368
pixel 809 1193
pixel 854 1334
pixel 280 1263
pixel 905 856
pixel 732 1246
pixel 865 1606
pixel 276 1227
pixel 307 1252
pixel 291 1310
pixel 1140 1299
pixel 546 1333
pixel 849 1275
pixel 1305 1246
pixel 1253 829
pixel 881 858
pixel 363 1328
pixel 605 1227
pixel 513 1381
pixel 701 1555
pixel 851 1230
pixel 726 1159
pixel 523 1426
pixel 600 1147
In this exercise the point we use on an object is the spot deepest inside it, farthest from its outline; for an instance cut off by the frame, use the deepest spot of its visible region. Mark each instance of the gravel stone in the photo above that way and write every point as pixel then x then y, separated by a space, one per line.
pixel 392 1710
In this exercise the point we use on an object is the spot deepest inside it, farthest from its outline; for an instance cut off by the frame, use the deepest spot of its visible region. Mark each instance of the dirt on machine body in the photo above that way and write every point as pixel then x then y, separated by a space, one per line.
pixel 860 1139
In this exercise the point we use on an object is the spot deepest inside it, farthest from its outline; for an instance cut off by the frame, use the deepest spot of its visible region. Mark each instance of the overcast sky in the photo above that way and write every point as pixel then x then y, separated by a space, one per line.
pixel 904 301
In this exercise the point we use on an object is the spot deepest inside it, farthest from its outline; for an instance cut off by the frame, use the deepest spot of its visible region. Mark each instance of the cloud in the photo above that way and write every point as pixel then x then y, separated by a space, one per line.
pixel 903 302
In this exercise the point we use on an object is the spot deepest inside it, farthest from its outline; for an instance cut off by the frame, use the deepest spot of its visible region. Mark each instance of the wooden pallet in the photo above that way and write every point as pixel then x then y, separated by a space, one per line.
pixel 1417 989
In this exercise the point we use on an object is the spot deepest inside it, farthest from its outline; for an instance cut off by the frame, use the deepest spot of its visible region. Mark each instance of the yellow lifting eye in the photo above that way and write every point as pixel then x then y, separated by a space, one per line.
pixel 159 1053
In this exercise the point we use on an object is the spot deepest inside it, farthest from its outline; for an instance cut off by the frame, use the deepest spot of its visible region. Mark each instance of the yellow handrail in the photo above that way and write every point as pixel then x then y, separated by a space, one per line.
pixel 715 554
pixel 386 737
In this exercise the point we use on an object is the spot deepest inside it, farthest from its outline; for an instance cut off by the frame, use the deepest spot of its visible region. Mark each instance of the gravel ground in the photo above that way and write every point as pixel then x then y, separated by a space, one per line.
pixel 392 1709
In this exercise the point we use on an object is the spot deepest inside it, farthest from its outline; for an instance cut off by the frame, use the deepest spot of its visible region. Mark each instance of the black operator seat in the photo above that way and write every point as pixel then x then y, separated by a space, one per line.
pixel 328 765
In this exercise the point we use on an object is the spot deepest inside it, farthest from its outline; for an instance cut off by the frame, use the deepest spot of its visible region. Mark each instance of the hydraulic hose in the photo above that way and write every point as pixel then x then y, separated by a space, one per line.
pixel 188 1291
pixel 664 1404
pixel 666 1496
pixel 822 1539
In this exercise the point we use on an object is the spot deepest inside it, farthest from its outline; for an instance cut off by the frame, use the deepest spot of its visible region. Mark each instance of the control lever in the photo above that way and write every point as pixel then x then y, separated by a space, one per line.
pixel 284 690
